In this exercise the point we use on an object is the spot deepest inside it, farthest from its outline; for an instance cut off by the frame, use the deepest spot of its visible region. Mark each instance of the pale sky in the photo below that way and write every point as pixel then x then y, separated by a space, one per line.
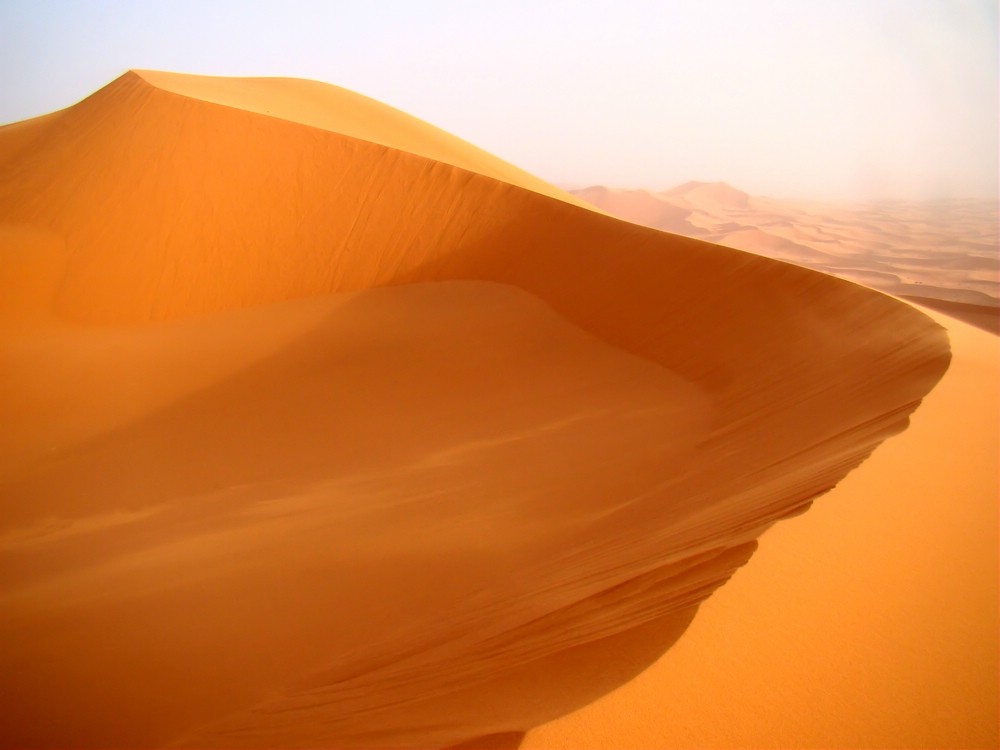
pixel 825 99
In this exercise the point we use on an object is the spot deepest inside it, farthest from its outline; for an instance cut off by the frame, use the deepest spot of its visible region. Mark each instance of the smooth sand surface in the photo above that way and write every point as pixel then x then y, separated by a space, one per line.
pixel 314 441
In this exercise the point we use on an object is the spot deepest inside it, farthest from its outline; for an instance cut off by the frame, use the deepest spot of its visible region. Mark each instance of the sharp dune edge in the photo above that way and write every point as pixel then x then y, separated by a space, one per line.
pixel 326 429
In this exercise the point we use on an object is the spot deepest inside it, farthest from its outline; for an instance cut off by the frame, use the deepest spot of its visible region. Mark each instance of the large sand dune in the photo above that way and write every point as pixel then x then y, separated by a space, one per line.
pixel 324 429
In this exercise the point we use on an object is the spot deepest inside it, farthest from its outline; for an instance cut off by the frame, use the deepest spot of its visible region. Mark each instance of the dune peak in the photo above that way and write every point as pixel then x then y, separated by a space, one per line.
pixel 719 193
pixel 336 109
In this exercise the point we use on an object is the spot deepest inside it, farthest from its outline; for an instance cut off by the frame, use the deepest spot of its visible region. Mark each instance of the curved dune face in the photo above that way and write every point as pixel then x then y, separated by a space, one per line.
pixel 322 437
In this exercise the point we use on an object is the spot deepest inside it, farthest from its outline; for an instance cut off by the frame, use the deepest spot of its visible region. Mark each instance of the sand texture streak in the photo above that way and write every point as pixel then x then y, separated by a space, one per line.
pixel 323 428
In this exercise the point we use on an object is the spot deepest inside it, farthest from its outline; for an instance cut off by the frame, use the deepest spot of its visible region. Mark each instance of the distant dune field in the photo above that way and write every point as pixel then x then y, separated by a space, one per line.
pixel 324 428
pixel 942 254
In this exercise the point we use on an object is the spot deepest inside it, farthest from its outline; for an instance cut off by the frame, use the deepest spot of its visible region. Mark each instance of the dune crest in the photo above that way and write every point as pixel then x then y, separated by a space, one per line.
pixel 321 105
pixel 355 445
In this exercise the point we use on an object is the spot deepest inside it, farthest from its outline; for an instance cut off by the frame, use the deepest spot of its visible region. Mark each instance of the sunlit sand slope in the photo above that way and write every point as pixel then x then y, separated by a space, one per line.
pixel 316 441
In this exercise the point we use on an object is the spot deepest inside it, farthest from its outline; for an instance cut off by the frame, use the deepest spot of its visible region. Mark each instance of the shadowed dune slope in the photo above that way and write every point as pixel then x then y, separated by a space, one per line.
pixel 315 440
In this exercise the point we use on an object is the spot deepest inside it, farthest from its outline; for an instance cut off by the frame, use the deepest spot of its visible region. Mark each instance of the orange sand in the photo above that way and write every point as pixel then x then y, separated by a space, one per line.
pixel 327 430
pixel 870 621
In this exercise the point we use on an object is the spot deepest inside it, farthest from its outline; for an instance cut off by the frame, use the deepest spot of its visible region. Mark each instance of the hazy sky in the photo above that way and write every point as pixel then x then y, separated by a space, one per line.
pixel 789 98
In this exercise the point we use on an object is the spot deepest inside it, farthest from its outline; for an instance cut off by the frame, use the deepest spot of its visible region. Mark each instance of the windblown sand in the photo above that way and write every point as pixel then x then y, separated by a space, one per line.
pixel 325 429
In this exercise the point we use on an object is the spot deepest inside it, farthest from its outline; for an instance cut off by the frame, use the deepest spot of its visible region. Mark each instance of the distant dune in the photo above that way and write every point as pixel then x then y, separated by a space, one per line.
pixel 944 252
pixel 326 429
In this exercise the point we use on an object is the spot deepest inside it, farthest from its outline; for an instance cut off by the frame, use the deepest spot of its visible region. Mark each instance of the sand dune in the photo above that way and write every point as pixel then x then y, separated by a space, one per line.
pixel 869 621
pixel 942 251
pixel 324 429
